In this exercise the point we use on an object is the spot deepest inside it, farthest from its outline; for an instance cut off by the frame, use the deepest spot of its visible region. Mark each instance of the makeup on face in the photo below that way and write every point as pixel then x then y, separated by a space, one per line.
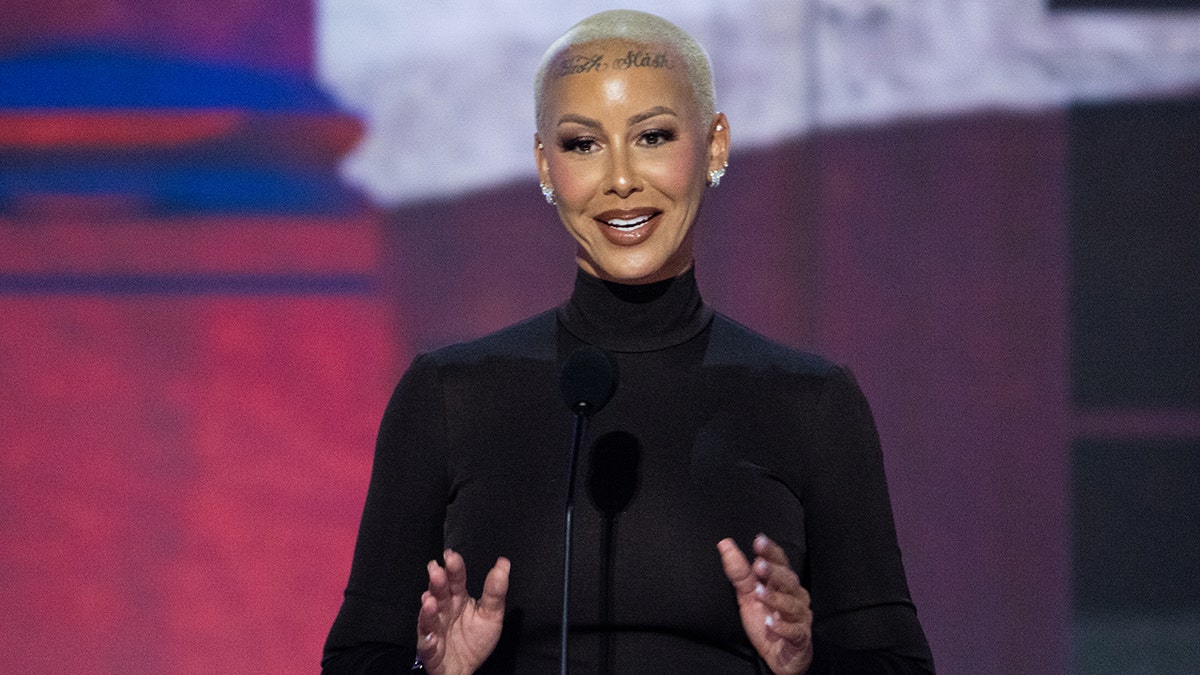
pixel 627 156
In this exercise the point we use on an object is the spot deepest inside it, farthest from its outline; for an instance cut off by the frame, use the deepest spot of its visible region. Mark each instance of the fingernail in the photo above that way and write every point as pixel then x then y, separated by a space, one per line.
pixel 760 566
pixel 761 540
pixel 429 636
pixel 759 590
pixel 770 621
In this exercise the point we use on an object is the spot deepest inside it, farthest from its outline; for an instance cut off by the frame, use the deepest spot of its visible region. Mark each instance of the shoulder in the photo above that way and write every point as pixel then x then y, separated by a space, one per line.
pixel 531 339
pixel 746 363
pixel 500 364
pixel 733 344
pixel 500 374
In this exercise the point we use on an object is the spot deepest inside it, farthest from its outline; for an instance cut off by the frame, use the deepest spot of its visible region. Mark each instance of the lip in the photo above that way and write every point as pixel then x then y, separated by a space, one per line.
pixel 634 233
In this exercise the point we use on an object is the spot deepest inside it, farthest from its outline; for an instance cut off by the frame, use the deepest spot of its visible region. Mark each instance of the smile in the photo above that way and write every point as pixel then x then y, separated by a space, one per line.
pixel 628 220
pixel 628 223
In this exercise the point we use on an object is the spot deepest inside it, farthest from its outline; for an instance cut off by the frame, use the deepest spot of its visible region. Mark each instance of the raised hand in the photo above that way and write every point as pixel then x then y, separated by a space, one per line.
pixel 455 632
pixel 772 603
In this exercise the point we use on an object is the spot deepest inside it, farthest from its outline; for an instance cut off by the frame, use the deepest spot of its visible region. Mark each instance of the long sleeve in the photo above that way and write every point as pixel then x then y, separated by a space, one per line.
pixel 864 619
pixel 401 530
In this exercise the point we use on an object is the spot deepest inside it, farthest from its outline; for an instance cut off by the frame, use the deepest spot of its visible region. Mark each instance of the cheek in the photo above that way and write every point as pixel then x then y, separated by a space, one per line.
pixel 677 175
pixel 676 180
pixel 682 164
pixel 573 181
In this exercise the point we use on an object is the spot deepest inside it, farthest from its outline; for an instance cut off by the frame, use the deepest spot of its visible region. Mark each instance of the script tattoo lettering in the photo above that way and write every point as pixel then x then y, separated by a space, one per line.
pixel 574 65
pixel 596 63
pixel 640 59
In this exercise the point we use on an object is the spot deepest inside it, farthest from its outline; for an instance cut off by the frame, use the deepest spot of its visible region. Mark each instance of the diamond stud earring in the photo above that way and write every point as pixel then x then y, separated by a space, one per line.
pixel 715 176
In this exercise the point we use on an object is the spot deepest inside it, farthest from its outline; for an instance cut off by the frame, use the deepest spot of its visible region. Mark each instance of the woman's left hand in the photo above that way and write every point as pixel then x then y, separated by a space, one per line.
pixel 772 603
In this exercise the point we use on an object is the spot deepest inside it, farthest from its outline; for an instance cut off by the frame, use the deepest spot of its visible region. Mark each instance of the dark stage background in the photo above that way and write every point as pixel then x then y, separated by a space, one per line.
pixel 200 326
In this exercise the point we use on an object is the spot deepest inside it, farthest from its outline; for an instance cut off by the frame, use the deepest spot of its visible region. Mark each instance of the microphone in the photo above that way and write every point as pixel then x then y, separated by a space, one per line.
pixel 589 379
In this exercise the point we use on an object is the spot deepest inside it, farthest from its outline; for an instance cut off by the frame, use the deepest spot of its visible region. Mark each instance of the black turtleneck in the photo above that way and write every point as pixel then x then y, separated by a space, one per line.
pixel 642 318
pixel 713 431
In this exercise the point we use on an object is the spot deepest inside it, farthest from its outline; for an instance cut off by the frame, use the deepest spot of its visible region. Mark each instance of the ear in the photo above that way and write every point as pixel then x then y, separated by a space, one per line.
pixel 718 142
pixel 539 156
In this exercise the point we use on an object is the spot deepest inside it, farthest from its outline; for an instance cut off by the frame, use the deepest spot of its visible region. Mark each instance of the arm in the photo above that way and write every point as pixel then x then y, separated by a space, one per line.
pixel 864 620
pixel 858 617
pixel 400 531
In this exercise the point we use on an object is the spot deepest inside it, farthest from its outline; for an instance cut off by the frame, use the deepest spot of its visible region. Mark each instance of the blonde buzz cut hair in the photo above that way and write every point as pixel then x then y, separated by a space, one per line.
pixel 640 28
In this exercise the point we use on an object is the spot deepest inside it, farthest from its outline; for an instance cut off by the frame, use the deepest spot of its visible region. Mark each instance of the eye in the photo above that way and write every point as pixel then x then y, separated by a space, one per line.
pixel 653 137
pixel 580 144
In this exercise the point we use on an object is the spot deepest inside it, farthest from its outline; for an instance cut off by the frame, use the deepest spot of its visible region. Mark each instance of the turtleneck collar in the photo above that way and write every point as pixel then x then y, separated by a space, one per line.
pixel 635 318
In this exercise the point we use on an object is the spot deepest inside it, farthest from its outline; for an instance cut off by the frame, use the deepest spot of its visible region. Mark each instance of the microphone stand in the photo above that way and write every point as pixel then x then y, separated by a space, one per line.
pixel 589 379
pixel 576 441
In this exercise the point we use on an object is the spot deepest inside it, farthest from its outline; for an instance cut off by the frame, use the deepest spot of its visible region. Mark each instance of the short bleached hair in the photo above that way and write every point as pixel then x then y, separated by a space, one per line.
pixel 640 28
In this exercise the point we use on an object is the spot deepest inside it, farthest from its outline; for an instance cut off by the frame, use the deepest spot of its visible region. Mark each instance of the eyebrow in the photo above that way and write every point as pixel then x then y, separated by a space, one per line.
pixel 633 119
pixel 653 112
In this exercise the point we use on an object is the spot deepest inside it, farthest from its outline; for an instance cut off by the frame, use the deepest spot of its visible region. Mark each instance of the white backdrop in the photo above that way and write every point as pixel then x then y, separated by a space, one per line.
pixel 446 88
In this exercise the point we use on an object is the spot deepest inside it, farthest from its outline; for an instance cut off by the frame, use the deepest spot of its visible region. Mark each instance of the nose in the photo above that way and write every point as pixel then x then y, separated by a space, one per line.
pixel 623 178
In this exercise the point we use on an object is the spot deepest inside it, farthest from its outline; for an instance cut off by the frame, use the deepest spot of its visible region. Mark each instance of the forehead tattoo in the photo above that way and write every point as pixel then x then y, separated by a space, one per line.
pixel 575 63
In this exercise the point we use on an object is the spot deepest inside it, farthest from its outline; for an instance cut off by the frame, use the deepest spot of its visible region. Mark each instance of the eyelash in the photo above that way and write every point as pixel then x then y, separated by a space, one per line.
pixel 582 144
pixel 576 144
pixel 663 136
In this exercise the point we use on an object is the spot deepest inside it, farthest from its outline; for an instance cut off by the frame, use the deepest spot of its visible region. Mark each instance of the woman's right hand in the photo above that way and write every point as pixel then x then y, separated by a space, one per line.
pixel 455 632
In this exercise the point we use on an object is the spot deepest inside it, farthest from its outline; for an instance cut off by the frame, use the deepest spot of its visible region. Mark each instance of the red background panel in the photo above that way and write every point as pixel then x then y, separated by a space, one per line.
pixel 181 473
pixel 247 244
pixel 188 401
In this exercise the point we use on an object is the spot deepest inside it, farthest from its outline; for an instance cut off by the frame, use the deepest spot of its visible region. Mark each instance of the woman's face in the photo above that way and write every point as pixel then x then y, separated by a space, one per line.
pixel 627 154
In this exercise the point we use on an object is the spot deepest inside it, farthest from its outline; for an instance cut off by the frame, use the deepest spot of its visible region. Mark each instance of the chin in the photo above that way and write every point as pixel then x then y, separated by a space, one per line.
pixel 634 274
pixel 635 267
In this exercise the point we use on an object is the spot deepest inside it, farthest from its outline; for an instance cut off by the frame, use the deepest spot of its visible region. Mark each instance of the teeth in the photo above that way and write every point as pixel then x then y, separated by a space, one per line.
pixel 632 222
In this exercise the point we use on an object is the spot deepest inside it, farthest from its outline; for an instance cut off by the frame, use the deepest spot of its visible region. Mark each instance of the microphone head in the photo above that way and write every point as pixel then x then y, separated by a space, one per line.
pixel 589 379
pixel 614 473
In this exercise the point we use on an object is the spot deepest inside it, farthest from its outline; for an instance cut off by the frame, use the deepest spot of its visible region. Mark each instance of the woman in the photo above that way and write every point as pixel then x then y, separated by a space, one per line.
pixel 723 441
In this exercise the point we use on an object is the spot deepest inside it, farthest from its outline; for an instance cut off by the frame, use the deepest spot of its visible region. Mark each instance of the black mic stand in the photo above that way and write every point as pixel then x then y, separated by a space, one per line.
pixel 589 378
pixel 581 413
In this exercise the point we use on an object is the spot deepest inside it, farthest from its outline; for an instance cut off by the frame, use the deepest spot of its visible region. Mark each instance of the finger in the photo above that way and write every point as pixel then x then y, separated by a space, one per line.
pixel 792 605
pixel 428 639
pixel 776 576
pixel 428 625
pixel 764 547
pixel 797 633
pixel 438 587
pixel 737 568
pixel 456 573
pixel 495 587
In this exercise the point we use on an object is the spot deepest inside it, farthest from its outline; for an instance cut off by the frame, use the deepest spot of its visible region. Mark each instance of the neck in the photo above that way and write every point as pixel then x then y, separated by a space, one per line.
pixel 635 317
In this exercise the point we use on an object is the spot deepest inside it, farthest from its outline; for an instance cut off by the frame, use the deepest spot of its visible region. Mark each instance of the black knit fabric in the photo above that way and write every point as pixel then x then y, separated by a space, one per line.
pixel 714 431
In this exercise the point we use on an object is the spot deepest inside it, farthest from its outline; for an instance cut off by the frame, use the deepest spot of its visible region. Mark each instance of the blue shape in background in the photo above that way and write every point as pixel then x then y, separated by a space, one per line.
pixel 81 77
pixel 222 176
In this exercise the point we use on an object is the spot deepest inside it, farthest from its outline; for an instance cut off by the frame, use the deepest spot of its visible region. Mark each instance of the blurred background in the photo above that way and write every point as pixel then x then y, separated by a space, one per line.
pixel 226 228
